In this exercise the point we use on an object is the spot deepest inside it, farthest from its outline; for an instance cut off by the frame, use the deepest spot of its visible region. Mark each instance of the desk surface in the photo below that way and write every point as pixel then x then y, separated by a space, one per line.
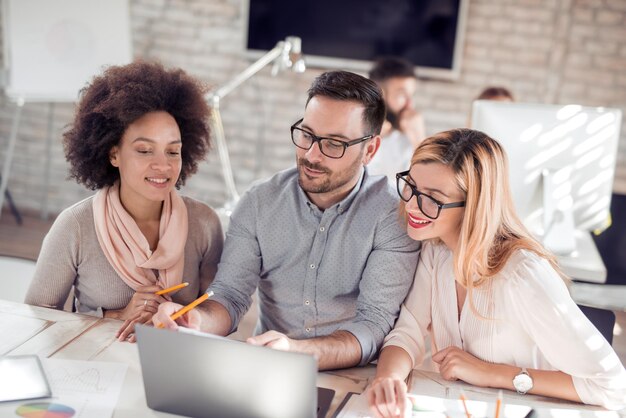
pixel 585 263
pixel 49 333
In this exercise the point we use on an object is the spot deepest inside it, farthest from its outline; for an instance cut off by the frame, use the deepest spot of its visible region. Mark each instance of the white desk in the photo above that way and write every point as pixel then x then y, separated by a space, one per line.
pixel 585 263
pixel 62 335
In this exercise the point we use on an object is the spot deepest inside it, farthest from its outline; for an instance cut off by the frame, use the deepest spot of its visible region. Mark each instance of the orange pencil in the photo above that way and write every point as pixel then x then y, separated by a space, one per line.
pixel 171 289
pixel 498 404
pixel 189 307
pixel 463 399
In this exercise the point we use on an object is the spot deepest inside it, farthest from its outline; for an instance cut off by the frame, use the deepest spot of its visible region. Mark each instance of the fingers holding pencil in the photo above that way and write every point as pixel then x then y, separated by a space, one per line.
pixel 143 305
pixel 172 289
pixel 171 315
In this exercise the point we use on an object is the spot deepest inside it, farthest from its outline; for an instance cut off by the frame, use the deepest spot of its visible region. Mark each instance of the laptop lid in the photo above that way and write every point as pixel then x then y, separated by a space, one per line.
pixel 201 376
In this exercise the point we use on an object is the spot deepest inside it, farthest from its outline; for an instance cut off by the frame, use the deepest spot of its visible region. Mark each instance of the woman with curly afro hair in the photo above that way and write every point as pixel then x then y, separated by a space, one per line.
pixel 138 134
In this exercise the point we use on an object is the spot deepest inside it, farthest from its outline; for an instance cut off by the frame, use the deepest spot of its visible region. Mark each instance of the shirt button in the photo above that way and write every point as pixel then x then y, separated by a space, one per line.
pixel 307 329
pixel 312 266
pixel 306 302
pixel 322 228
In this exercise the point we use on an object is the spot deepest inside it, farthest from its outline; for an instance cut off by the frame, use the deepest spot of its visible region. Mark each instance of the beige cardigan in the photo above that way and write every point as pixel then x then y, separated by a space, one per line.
pixel 71 256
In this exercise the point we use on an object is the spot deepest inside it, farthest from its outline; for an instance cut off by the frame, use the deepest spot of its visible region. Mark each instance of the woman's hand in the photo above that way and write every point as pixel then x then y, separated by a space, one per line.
pixel 139 310
pixel 455 363
pixel 387 398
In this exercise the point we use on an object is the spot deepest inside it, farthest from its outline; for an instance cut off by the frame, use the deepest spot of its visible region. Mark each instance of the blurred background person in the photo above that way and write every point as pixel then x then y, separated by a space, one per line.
pixel 499 94
pixel 403 128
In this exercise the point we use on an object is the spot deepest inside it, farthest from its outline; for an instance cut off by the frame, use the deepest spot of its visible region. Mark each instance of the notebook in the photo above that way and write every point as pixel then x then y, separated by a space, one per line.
pixel 199 375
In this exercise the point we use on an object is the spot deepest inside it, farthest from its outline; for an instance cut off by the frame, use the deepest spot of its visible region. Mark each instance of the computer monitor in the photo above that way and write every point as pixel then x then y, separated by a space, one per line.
pixel 561 164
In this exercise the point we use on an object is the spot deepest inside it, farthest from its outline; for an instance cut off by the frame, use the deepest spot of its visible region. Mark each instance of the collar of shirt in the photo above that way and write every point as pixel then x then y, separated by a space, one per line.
pixel 340 207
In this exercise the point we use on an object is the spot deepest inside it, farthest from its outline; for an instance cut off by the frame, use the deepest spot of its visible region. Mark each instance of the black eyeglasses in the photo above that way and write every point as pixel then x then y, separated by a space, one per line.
pixel 332 148
pixel 429 206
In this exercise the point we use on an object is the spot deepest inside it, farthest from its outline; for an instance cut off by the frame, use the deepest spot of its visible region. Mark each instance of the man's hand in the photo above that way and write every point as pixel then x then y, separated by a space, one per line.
pixel 191 319
pixel 273 339
pixel 411 123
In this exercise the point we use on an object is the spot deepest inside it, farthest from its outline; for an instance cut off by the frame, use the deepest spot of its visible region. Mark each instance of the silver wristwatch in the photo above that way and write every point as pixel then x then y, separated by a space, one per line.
pixel 523 382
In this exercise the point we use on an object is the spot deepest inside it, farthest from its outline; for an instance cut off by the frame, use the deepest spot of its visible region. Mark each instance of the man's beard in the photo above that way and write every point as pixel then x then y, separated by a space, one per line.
pixel 331 181
pixel 323 187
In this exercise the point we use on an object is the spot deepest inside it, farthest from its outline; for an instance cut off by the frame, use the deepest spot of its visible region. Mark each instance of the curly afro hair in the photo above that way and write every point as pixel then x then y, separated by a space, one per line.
pixel 118 97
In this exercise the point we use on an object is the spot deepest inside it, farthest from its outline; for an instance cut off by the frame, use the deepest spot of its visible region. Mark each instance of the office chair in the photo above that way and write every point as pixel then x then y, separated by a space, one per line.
pixel 611 244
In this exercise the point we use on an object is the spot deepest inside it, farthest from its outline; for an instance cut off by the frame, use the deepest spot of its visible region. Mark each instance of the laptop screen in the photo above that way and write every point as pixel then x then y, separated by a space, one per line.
pixel 199 375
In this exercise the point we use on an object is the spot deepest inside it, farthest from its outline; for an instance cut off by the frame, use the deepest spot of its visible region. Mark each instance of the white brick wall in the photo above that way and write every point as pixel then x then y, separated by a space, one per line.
pixel 556 51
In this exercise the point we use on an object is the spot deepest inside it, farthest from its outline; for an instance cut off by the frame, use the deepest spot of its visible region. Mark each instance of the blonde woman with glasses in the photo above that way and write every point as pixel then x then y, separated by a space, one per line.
pixel 491 297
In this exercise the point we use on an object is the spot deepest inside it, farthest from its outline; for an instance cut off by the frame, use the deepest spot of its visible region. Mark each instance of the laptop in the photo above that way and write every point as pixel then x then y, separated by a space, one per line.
pixel 200 375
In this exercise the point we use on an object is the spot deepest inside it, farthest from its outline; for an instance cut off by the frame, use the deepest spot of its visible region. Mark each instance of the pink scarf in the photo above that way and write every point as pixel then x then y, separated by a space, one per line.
pixel 127 249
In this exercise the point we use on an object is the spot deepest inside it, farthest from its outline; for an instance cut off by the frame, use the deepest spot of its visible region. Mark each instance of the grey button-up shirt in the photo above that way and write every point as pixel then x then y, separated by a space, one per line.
pixel 346 268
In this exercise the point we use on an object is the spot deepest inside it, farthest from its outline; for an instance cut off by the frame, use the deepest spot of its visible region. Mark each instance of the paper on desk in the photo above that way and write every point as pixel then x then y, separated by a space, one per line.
pixel 17 329
pixel 185 330
pixel 90 388
pixel 434 407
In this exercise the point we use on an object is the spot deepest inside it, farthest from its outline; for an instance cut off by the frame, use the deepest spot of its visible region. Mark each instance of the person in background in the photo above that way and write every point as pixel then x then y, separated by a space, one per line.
pixel 138 135
pixel 403 128
pixel 321 241
pixel 499 94
pixel 492 299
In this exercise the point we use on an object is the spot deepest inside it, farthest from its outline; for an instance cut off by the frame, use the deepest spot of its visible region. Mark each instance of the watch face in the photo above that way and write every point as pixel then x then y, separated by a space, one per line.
pixel 523 383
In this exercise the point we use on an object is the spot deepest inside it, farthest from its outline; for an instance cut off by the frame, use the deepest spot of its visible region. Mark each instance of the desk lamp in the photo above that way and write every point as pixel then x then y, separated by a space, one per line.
pixel 286 54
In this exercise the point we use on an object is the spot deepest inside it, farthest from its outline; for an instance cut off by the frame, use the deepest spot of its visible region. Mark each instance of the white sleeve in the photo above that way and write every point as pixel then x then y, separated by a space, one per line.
pixel 538 297
pixel 414 320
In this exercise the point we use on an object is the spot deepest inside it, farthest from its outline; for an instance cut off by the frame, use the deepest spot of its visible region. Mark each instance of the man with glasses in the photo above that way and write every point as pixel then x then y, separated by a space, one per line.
pixel 322 242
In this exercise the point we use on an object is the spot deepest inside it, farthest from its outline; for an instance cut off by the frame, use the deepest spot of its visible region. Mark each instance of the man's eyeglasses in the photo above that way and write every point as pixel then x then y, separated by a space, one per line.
pixel 332 148
pixel 429 206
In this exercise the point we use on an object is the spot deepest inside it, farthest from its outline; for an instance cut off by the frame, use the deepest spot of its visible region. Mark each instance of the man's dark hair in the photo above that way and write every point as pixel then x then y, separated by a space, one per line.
pixel 391 67
pixel 120 96
pixel 344 85
pixel 490 93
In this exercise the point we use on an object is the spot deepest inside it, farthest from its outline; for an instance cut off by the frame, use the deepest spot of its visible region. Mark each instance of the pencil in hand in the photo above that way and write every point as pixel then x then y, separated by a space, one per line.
pixel 172 289
pixel 187 308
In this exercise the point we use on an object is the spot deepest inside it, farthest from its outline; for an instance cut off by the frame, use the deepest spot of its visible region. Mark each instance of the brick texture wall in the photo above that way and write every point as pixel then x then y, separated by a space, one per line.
pixel 547 51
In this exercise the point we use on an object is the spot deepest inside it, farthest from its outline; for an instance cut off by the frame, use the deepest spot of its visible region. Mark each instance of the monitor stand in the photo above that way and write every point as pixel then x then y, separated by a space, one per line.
pixel 574 248
pixel 558 218
pixel 585 264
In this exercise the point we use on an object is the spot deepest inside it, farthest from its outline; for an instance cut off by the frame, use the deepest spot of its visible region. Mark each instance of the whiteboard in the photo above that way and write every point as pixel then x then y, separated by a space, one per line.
pixel 52 48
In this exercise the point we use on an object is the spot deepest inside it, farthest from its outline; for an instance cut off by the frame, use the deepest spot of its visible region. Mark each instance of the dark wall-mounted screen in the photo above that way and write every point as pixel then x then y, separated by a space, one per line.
pixel 422 31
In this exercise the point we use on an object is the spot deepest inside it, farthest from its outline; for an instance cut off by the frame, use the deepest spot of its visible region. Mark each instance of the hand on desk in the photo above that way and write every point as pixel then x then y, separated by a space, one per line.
pixel 139 310
pixel 386 397
pixel 191 319
pixel 273 339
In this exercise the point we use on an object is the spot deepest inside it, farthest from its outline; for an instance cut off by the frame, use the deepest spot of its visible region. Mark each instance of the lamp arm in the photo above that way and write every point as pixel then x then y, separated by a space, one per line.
pixel 255 67
pixel 213 97
pixel 232 196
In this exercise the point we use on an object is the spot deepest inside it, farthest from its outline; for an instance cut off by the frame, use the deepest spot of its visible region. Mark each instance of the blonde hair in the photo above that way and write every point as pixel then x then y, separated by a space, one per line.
pixel 491 231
